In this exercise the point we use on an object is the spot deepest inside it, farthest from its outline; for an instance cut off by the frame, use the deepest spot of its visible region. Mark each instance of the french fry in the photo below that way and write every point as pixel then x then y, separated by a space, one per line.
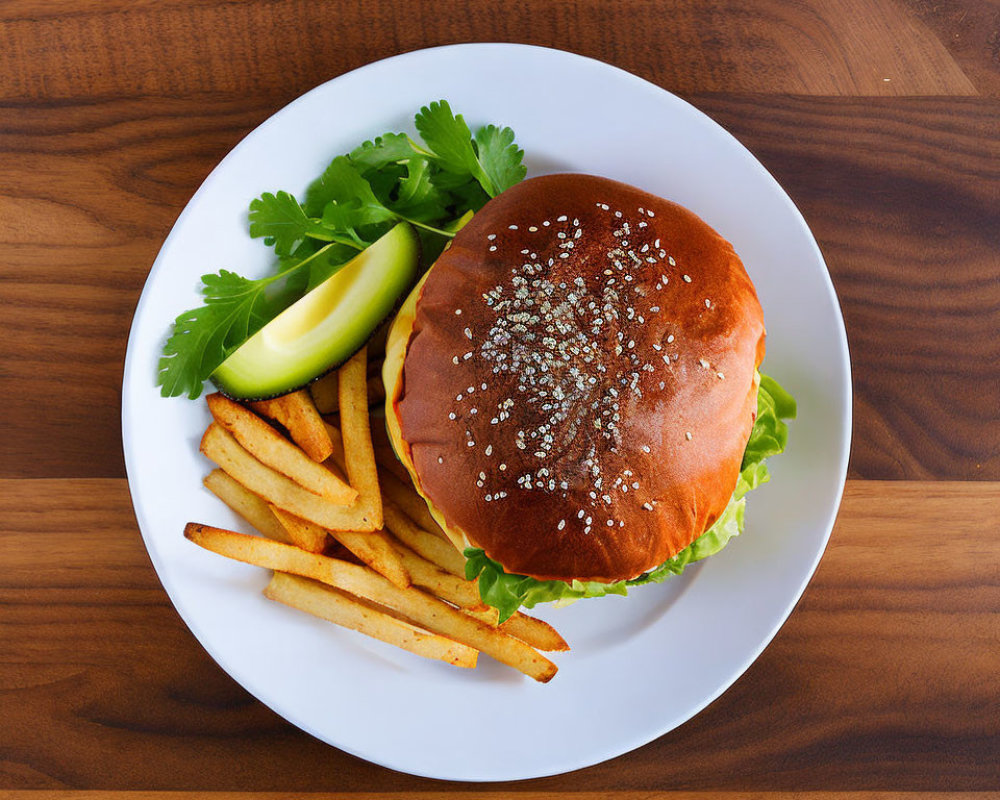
pixel 422 609
pixel 296 412
pixel 348 612
pixel 325 395
pixel 218 445
pixel 411 503
pixel 533 631
pixel 337 454
pixel 372 548
pixel 440 583
pixel 271 448
pixel 356 433
pixel 304 534
pixel 433 548
pixel 245 503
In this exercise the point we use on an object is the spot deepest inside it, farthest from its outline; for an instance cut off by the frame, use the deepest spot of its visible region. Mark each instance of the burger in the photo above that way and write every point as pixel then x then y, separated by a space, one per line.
pixel 574 387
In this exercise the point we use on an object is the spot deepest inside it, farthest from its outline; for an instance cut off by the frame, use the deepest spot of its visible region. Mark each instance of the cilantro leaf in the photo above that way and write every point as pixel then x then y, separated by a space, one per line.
pixel 388 179
pixel 500 157
pixel 233 311
pixel 418 197
pixel 448 136
pixel 352 196
pixel 390 148
pixel 280 220
pixel 491 157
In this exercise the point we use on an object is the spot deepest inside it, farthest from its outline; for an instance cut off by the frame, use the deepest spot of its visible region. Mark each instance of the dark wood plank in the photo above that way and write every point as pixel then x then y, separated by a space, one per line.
pixel 491 795
pixel 904 199
pixel 885 677
pixel 908 217
pixel 279 49
pixel 90 192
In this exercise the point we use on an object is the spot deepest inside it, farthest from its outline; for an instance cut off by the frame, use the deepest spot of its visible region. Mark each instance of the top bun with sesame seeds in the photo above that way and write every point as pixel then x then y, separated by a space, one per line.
pixel 573 384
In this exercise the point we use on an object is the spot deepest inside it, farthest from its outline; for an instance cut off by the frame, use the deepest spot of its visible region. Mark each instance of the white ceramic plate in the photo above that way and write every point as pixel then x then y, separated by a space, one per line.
pixel 640 665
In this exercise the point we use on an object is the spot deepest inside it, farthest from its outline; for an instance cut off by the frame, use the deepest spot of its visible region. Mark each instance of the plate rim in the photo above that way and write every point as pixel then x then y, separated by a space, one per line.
pixel 844 401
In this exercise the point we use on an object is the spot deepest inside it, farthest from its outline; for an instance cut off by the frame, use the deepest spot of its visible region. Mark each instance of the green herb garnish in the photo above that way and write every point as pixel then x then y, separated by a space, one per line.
pixel 357 199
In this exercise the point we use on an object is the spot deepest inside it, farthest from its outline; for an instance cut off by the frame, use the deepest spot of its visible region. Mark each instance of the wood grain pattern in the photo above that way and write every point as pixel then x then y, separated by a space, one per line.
pixel 897 632
pixel 280 49
pixel 913 244
pixel 491 795
pixel 970 30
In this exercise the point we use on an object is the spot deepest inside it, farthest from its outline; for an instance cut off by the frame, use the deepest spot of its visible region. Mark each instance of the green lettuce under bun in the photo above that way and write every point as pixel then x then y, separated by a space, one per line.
pixel 508 592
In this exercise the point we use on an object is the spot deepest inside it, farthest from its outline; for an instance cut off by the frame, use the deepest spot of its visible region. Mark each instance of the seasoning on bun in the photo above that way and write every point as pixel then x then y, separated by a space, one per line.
pixel 574 383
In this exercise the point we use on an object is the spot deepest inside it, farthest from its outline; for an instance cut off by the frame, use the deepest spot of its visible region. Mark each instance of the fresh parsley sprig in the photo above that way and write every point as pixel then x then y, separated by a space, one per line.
pixel 359 197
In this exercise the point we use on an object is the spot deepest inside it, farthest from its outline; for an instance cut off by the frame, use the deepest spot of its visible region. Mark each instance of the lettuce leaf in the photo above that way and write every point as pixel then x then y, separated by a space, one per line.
pixel 507 592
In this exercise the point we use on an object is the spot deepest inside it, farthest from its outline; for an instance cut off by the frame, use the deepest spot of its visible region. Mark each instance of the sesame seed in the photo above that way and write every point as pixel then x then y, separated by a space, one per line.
pixel 671 262
pixel 512 227
pixel 493 248
pixel 502 467
pixel 492 236
pixel 688 436
pixel 489 449
pixel 645 448
pixel 670 338
pixel 720 376
pixel 440 460
pixel 451 415
pixel 611 523
pixel 532 228
pixel 468 334
pixel 687 278
pixel 562 524
pixel 708 303
pixel 704 363
pixel 454 360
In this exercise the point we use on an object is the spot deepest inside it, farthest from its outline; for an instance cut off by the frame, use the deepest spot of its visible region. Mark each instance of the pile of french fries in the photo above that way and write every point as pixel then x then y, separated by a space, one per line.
pixel 345 541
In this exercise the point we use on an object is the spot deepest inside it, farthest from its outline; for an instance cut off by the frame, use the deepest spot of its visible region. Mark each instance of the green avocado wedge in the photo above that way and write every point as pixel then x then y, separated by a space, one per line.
pixel 327 326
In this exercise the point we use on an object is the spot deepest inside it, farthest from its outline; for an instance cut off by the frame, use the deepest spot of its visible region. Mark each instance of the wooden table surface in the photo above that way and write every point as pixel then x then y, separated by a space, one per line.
pixel 881 118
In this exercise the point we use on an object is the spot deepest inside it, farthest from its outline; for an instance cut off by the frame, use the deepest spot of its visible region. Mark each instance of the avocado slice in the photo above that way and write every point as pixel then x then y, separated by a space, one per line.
pixel 325 327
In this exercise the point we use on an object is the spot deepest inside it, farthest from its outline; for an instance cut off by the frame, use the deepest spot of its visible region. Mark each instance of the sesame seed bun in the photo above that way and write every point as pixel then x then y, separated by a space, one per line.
pixel 574 382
